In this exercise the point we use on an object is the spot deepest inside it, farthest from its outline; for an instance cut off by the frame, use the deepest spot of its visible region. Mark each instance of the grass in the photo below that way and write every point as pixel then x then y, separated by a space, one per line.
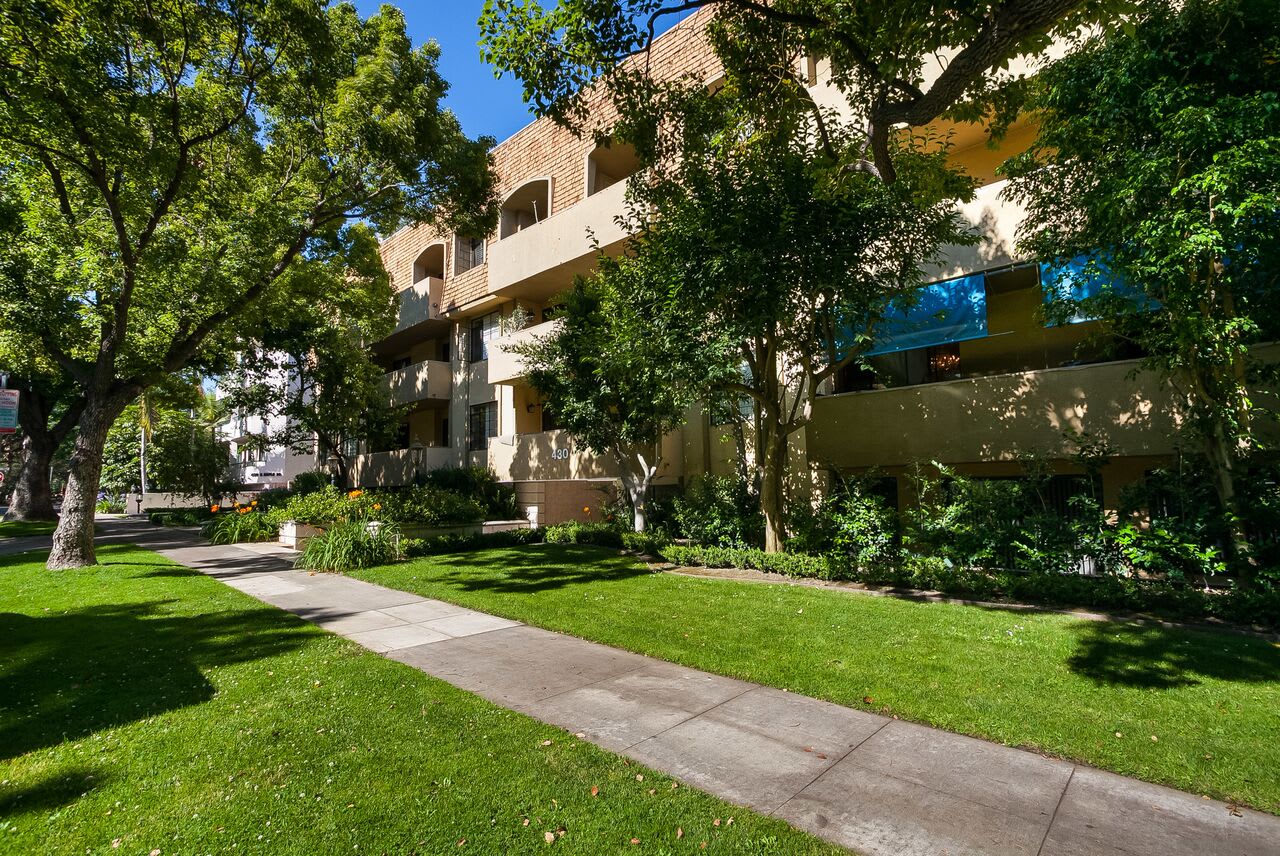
pixel 147 708
pixel 1196 710
pixel 20 528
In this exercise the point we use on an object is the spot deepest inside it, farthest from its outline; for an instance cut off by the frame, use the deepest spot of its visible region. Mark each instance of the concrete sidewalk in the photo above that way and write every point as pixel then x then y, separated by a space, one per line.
pixel 876 785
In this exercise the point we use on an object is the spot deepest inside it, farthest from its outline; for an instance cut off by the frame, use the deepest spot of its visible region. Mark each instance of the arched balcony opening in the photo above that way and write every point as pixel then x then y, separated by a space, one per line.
pixel 430 263
pixel 527 205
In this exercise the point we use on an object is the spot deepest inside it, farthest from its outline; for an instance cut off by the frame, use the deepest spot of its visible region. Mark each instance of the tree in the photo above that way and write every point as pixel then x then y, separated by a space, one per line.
pixel 177 165
pixel 1158 165
pixel 50 402
pixel 184 453
pixel 787 256
pixel 881 52
pixel 617 376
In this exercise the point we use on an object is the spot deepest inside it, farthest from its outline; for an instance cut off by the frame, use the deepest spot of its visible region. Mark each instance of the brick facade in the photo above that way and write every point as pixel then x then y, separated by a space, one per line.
pixel 545 149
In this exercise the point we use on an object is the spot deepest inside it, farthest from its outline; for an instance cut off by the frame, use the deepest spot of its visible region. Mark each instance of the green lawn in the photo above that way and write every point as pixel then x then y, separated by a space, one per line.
pixel 19 528
pixel 1196 710
pixel 146 708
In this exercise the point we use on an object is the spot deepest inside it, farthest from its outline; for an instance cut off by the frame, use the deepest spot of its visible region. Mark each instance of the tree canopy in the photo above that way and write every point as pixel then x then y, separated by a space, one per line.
pixel 1158 167
pixel 179 166
pixel 624 365
pixel 883 53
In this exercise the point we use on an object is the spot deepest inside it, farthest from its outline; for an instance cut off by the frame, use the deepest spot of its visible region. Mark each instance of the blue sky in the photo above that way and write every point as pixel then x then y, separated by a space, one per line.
pixel 482 103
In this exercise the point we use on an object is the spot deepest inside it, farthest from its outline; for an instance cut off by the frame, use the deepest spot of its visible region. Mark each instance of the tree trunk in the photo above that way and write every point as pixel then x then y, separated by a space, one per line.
pixel 32 498
pixel 73 539
pixel 773 474
pixel 637 475
pixel 1222 461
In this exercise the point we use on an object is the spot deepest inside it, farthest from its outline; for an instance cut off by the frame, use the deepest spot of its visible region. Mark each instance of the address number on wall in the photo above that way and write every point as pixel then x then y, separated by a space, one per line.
pixel 559 454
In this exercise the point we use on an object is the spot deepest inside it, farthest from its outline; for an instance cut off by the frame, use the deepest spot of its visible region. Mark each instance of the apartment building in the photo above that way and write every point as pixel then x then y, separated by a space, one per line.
pixel 977 390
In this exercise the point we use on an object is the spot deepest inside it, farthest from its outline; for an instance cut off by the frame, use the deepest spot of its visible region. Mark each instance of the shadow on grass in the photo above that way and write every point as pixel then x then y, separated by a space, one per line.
pixel 51 792
pixel 64 676
pixel 534 569
pixel 1148 656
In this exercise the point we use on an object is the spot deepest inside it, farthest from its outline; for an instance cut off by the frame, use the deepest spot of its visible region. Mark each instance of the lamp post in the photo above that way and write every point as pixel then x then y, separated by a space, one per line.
pixel 415 452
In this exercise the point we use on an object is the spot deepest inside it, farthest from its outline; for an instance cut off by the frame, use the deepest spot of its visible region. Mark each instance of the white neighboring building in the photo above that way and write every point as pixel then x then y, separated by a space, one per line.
pixel 257 462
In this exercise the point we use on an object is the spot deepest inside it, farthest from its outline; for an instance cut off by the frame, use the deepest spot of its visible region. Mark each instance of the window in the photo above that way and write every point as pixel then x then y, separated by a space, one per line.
pixel 444 350
pixel 468 253
pixel 549 420
pixel 444 432
pixel 402 436
pixel 483 331
pixel 482 424
pixel 400 363
pixel 943 362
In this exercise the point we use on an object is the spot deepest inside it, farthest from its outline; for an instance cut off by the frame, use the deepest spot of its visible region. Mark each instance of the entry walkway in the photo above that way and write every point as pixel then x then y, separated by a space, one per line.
pixel 879 786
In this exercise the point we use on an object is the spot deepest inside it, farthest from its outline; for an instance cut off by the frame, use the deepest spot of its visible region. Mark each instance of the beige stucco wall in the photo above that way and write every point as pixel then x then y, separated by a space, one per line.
pixel 994 418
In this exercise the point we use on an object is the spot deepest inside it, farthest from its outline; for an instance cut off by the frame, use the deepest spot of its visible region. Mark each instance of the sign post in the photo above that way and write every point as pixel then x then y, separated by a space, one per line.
pixel 8 411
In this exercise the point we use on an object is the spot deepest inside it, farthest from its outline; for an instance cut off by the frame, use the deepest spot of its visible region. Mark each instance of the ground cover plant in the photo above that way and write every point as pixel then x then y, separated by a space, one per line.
pixel 1191 709
pixel 202 721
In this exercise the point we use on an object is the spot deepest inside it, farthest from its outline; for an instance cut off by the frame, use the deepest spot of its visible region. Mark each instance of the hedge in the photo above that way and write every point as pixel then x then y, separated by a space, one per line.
pixel 1256 607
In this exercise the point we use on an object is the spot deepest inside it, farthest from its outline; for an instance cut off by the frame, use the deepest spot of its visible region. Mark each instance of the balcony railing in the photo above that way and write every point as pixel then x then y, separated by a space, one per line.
pixel 400 466
pixel 429 379
pixel 994 418
pixel 562 239
pixel 506 366
pixel 419 302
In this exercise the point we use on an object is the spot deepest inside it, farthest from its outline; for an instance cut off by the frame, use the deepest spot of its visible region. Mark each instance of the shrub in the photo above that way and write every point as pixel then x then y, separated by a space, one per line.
pixel 179 516
pixel 481 483
pixel 426 504
pixel 574 532
pixel 649 542
pixel 237 527
pixel 1258 607
pixel 273 497
pixel 327 505
pixel 863 527
pixel 457 543
pixel 311 481
pixel 350 546
pixel 109 506
pixel 790 564
pixel 719 511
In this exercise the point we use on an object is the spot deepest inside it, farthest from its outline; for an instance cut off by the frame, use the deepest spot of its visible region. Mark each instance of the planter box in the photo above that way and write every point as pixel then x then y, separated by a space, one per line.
pixel 415 530
pixel 295 535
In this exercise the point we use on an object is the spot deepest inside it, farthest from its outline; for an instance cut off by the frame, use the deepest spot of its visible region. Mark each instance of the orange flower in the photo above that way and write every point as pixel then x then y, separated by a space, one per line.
pixel 377 506
pixel 214 508
pixel 353 494
pixel 586 509
pixel 255 502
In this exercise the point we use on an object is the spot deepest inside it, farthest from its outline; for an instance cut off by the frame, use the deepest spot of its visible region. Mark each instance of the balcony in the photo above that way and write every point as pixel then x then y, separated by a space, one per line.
pixel 546 456
pixel 418 313
pixel 994 418
pixel 427 380
pixel 542 259
pixel 400 465
pixel 997 220
pixel 505 366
